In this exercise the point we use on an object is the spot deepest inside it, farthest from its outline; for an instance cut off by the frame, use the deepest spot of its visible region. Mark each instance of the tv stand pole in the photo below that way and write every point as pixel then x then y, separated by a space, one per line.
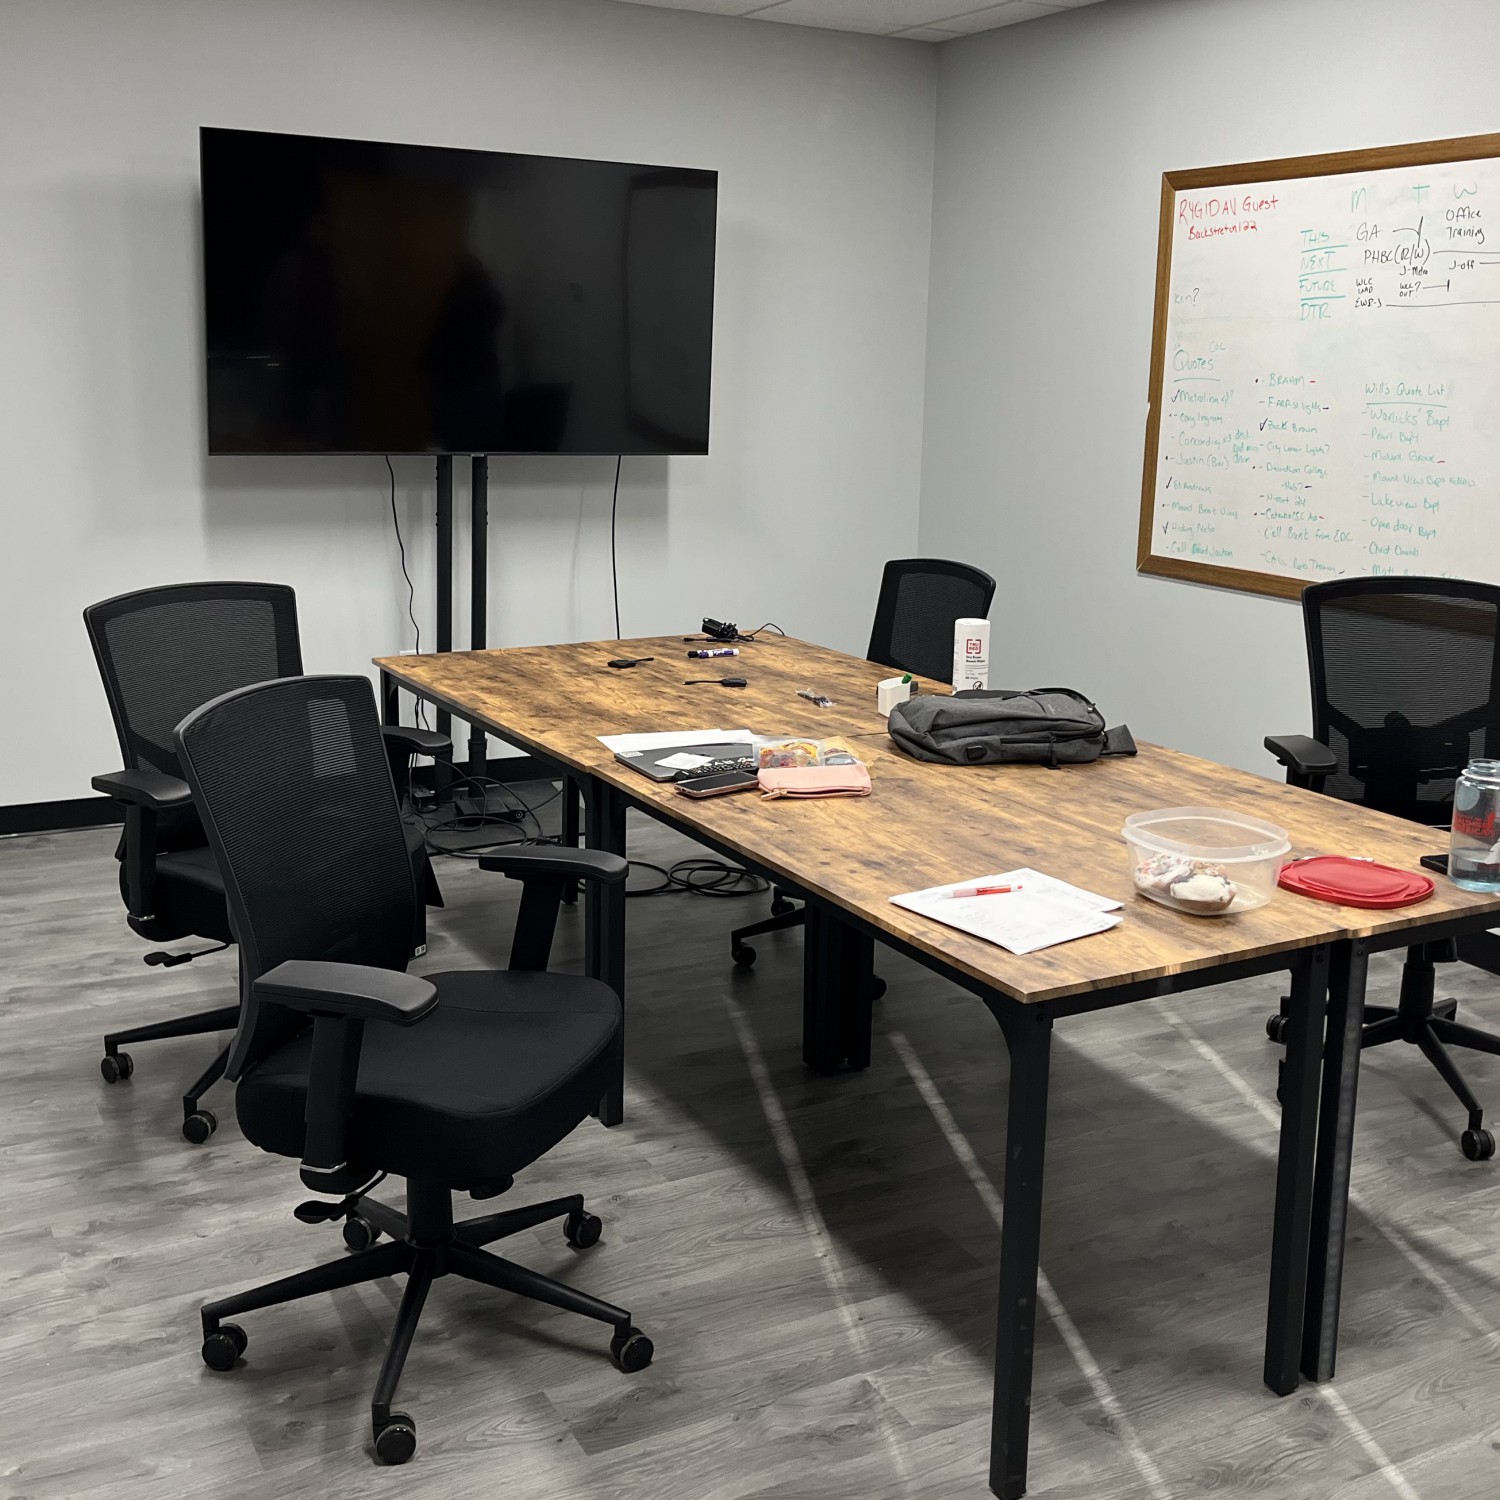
pixel 479 517
pixel 444 603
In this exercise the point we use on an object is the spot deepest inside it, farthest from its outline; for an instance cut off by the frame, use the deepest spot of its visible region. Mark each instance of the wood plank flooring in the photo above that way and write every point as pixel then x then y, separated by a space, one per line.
pixel 814 1257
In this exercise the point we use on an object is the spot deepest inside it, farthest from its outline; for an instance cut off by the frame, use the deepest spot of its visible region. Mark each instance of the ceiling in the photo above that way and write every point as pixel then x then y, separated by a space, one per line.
pixel 916 20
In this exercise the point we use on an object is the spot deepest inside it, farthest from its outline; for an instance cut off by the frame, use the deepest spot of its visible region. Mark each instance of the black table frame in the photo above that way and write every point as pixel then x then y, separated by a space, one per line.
pixel 837 994
pixel 1319 1085
pixel 1336 1112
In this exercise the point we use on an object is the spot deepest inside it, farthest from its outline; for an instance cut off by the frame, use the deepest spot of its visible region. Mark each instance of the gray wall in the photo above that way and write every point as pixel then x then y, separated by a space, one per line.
pixel 1052 138
pixel 824 143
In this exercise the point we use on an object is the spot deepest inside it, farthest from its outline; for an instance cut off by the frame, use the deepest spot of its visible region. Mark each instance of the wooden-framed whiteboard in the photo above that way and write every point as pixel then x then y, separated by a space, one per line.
pixel 1325 370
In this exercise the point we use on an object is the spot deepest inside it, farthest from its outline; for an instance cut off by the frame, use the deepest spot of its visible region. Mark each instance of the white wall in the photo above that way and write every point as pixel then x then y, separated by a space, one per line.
pixel 824 143
pixel 1052 138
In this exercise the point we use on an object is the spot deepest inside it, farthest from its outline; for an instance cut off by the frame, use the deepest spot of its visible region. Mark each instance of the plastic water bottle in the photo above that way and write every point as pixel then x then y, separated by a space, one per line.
pixel 1474 850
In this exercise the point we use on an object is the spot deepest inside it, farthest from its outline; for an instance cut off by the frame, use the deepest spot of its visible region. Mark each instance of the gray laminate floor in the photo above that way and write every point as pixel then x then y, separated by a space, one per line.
pixel 814 1257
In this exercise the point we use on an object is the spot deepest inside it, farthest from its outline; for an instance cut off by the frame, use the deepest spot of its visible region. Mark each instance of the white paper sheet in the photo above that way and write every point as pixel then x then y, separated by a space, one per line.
pixel 683 761
pixel 1040 913
pixel 635 744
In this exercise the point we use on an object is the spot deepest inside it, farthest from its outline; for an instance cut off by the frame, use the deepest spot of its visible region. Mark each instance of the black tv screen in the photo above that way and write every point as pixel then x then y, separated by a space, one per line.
pixel 363 297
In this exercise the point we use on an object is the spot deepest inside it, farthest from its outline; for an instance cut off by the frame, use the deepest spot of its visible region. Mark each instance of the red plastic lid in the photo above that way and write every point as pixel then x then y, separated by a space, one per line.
pixel 1354 882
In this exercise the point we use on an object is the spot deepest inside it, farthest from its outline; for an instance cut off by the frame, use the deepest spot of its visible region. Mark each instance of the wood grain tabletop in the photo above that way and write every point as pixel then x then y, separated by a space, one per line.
pixel 926 825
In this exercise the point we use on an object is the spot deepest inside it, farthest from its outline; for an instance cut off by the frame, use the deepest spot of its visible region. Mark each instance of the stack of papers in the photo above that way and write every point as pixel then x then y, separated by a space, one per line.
pixel 635 744
pixel 1037 912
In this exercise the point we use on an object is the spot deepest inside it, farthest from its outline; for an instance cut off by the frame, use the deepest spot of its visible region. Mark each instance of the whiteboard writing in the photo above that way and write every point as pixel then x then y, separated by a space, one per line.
pixel 1327 385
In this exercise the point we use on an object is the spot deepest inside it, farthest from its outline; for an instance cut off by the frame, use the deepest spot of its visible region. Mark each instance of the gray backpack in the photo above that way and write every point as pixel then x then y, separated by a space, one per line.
pixel 988 727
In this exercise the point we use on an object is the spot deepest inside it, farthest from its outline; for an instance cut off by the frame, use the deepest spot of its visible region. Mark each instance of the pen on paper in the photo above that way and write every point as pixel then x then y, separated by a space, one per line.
pixel 984 890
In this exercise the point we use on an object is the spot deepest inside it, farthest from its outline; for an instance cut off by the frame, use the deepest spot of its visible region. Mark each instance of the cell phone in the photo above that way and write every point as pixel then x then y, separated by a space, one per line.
pixel 1438 862
pixel 716 786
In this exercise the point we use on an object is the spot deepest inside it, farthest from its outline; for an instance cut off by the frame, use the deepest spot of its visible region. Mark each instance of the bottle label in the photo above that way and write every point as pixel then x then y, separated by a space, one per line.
pixel 1475 823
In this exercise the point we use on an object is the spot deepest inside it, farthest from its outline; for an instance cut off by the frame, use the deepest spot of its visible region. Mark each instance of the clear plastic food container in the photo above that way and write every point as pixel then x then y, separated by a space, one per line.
pixel 1208 861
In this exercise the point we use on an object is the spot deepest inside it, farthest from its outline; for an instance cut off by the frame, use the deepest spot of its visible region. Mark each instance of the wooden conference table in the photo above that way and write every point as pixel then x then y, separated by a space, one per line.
pixel 926 825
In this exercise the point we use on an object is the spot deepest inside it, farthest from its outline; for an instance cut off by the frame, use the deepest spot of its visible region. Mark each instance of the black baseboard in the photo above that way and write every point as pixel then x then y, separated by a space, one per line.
pixel 104 812
pixel 60 817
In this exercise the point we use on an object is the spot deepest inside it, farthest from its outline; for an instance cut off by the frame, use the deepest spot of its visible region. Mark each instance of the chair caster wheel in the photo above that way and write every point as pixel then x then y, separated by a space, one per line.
pixel 116 1066
pixel 224 1346
pixel 744 955
pixel 877 987
pixel 582 1230
pixel 396 1441
pixel 359 1233
pixel 1276 1027
pixel 1280 1070
pixel 631 1350
pixel 780 906
pixel 199 1125
pixel 1479 1145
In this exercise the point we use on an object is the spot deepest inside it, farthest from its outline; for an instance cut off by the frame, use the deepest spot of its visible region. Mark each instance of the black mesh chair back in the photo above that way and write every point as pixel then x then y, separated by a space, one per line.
pixel 1406 687
pixel 920 598
pixel 163 651
pixel 294 787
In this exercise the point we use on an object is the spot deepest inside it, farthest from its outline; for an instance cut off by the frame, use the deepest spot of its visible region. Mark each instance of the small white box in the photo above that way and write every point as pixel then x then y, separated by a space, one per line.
pixel 890 692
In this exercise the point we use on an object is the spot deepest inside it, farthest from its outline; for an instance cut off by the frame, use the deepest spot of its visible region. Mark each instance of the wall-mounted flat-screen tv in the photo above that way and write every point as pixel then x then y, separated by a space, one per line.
pixel 363 297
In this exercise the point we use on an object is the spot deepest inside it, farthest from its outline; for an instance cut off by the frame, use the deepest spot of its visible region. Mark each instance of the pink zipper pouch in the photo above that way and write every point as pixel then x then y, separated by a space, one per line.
pixel 815 781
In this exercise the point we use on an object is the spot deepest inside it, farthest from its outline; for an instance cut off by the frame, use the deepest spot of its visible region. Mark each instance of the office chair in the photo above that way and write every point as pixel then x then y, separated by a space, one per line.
pixel 920 598
pixel 1405 677
pixel 162 652
pixel 455 1082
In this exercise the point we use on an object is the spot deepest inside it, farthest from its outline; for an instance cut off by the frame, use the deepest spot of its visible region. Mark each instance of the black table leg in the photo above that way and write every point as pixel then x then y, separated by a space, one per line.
pixel 838 989
pixel 604 920
pixel 1292 1231
pixel 1029 1038
pixel 1330 1212
pixel 570 826
pixel 390 702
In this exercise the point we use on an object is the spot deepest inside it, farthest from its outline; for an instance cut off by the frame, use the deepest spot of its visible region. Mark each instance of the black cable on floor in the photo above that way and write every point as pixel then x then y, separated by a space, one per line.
pixel 701 876
pixel 512 803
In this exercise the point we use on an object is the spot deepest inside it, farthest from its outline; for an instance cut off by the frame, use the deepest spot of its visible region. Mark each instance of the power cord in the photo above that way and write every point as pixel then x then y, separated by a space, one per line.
pixel 514 812
pixel 700 876
pixel 727 634
pixel 697 876
pixel 411 588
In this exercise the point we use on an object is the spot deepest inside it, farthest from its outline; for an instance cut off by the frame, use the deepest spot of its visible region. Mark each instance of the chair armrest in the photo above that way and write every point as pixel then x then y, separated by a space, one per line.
pixel 416 741
pixel 560 862
pixel 149 789
pixel 340 998
pixel 543 873
pixel 1302 755
pixel 353 991
pixel 146 795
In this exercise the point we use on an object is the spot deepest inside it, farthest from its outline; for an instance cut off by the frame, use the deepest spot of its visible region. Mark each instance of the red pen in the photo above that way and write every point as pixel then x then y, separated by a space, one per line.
pixel 984 890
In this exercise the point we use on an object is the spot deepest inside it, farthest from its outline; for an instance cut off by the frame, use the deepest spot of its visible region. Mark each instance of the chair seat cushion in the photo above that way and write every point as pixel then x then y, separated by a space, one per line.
pixel 500 1071
pixel 188 898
